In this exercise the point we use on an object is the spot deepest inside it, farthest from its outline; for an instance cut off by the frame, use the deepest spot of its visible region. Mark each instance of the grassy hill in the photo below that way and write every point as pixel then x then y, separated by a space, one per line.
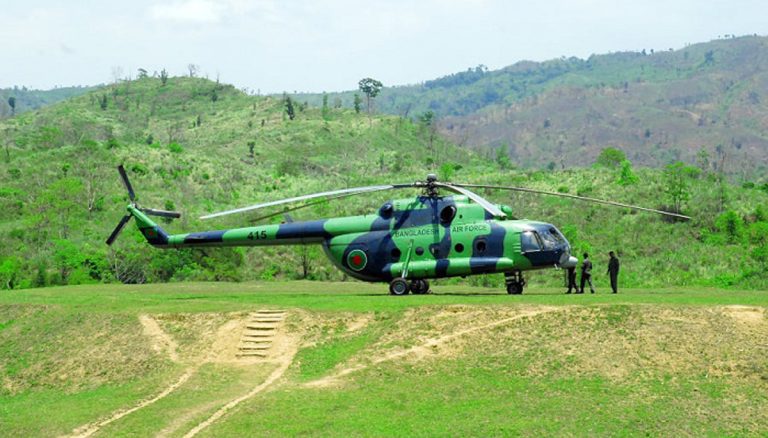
pixel 200 146
pixel 657 106
pixel 149 360
pixel 28 100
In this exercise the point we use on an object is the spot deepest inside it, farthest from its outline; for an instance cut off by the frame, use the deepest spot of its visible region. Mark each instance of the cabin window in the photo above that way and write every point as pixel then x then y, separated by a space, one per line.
pixel 459 247
pixel 396 254
pixel 447 214
pixel 480 246
pixel 529 242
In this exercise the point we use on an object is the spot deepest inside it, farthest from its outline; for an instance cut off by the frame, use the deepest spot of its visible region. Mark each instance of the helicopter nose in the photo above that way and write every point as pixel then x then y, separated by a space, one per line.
pixel 568 261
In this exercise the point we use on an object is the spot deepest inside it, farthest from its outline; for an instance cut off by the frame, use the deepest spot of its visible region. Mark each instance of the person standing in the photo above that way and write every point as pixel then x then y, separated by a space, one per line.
pixel 571 273
pixel 586 274
pixel 613 271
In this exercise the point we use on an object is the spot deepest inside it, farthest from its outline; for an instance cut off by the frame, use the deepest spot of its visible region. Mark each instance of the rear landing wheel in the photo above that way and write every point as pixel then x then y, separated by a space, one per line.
pixel 399 286
pixel 420 287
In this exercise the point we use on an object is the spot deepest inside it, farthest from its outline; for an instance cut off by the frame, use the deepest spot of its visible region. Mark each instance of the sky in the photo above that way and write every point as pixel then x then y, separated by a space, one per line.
pixel 271 46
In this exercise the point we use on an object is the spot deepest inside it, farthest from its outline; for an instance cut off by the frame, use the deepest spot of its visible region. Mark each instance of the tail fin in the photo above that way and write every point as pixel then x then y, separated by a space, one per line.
pixel 151 231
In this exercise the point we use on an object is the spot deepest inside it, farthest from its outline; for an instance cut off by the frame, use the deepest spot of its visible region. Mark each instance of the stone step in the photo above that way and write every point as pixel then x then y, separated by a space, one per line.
pixel 257 341
pixel 260 327
pixel 270 311
pixel 262 319
pixel 261 335
pixel 253 347
pixel 251 354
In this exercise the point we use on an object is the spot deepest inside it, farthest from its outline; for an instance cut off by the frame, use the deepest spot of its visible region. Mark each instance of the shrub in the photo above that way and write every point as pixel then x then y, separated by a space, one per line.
pixel 175 148
pixel 731 225
pixel 611 157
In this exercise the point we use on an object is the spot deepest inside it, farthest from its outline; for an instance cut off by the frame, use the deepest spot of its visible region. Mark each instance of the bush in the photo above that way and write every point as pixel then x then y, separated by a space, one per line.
pixel 627 176
pixel 175 148
pixel 611 157
pixel 731 225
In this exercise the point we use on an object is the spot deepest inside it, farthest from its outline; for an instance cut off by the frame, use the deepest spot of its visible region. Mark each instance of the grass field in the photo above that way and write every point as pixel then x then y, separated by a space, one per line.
pixel 348 359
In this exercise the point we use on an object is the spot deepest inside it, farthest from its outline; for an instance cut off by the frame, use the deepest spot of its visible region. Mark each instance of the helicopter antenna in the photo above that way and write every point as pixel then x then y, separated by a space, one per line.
pixel 580 198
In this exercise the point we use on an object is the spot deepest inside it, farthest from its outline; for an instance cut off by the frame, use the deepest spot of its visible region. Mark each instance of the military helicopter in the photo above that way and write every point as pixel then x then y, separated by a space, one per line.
pixel 405 243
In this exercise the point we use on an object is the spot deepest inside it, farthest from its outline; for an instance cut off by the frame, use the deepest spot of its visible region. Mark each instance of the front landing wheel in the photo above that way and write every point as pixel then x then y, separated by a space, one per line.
pixel 399 286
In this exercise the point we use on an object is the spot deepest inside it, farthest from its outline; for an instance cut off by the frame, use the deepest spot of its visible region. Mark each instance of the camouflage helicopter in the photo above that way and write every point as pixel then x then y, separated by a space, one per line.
pixel 405 243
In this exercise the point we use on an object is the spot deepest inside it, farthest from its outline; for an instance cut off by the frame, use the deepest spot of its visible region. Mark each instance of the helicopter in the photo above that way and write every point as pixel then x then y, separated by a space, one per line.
pixel 406 242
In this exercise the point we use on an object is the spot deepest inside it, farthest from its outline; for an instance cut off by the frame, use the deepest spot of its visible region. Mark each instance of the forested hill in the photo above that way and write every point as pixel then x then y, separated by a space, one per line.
pixel 199 146
pixel 658 106
pixel 19 100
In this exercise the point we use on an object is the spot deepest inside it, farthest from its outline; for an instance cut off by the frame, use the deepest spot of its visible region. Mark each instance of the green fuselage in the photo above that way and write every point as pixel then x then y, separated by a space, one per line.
pixel 423 237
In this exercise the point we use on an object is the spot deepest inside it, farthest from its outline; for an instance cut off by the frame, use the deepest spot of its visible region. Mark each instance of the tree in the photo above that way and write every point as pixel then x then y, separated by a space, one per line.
pixel 289 110
pixel 9 271
pixel 371 88
pixel 193 69
pixel 611 157
pixel 357 103
pixel 325 106
pixel 427 122
pixel 142 73
pixel 103 102
pixel 502 159
pixel 627 176
pixel 731 225
pixel 163 77
pixel 677 186
pixel 12 104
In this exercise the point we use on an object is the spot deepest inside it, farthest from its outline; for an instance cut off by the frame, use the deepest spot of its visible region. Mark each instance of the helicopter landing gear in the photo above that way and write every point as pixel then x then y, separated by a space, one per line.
pixel 399 286
pixel 420 287
pixel 515 282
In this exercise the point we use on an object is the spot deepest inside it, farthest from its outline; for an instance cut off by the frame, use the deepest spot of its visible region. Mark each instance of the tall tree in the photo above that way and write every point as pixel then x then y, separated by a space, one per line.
pixel 12 104
pixel 371 87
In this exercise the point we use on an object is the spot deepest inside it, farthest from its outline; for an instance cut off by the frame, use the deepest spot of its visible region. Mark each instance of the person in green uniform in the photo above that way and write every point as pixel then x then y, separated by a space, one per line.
pixel 613 271
pixel 586 274
pixel 571 274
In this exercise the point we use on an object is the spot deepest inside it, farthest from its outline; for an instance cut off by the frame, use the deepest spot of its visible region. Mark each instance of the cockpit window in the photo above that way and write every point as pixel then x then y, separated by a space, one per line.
pixel 548 240
pixel 558 236
pixel 529 242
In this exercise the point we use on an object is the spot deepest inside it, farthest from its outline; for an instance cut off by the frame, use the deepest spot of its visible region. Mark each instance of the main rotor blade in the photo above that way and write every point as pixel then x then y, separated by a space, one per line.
pixel 118 229
pixel 490 208
pixel 163 213
pixel 348 192
pixel 580 198
pixel 299 207
pixel 126 182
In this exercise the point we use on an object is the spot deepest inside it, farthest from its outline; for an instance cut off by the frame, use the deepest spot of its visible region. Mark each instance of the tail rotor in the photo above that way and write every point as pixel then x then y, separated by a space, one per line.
pixel 135 206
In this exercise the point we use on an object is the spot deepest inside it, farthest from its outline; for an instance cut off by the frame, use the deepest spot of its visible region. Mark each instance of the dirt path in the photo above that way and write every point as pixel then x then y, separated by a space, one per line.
pixel 425 348
pixel 223 350
pixel 159 340
pixel 276 374
pixel 88 430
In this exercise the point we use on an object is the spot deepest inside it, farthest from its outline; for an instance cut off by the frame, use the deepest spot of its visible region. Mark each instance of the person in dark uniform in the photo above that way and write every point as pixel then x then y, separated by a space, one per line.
pixel 613 271
pixel 586 274
pixel 571 273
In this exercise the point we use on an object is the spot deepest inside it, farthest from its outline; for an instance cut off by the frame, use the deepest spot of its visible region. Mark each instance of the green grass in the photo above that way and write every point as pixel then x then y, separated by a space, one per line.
pixel 647 361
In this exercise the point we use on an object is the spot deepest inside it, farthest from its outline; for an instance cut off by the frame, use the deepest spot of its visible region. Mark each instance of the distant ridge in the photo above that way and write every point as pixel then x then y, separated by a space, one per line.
pixel 658 106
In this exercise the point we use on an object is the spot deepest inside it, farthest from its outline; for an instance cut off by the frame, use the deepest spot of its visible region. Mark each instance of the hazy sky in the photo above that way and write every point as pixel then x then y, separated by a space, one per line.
pixel 328 45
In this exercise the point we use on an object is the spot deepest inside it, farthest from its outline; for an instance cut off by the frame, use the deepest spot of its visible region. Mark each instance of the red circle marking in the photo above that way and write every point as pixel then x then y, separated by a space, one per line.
pixel 357 260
